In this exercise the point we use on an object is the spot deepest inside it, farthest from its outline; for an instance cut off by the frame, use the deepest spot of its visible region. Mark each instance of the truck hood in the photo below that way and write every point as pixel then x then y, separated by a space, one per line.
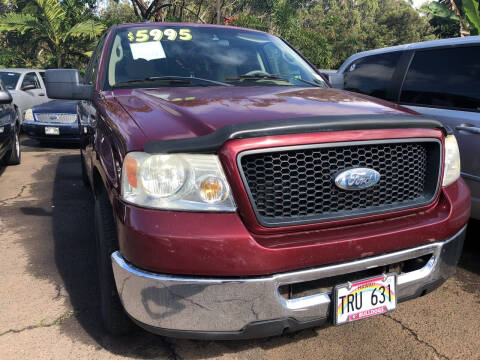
pixel 173 113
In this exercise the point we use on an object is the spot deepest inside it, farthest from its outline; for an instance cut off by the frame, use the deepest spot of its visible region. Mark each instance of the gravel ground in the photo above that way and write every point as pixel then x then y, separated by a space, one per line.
pixel 49 307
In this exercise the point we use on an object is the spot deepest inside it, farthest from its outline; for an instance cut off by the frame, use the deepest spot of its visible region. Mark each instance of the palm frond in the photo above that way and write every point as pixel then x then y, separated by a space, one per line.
pixel 88 29
pixel 19 22
pixel 53 13
pixel 471 8
pixel 440 10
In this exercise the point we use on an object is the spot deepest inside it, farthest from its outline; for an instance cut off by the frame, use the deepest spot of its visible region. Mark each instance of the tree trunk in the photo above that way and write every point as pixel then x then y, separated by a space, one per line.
pixel 199 8
pixel 463 28
pixel 59 60
pixel 219 10
pixel 181 10
pixel 142 7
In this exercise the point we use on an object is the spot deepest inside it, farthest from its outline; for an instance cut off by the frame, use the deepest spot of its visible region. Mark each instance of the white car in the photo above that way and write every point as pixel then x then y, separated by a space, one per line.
pixel 27 88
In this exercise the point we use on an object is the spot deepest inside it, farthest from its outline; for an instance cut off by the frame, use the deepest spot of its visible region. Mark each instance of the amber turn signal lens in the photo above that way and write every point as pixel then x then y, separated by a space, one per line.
pixel 131 168
pixel 212 189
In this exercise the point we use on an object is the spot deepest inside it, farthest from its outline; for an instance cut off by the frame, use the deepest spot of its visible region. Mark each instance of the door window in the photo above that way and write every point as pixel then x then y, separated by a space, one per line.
pixel 30 81
pixel 371 75
pixel 444 78
pixel 92 68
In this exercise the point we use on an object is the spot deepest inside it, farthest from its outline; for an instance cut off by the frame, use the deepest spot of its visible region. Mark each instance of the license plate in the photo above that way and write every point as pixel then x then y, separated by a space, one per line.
pixel 365 298
pixel 52 130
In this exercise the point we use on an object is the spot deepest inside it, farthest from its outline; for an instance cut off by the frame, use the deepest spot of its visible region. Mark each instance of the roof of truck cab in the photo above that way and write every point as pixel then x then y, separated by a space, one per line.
pixel 186 24
pixel 414 46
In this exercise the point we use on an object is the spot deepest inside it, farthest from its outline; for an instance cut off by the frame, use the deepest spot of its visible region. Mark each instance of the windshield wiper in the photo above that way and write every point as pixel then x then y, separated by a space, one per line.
pixel 171 79
pixel 198 79
pixel 255 77
pixel 267 76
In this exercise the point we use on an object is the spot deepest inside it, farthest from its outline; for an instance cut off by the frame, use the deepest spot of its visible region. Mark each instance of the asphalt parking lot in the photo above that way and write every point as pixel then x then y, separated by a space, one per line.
pixel 48 296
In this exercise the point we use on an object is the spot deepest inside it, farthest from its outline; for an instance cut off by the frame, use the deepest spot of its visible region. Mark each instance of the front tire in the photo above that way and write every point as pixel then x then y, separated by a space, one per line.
pixel 14 155
pixel 115 320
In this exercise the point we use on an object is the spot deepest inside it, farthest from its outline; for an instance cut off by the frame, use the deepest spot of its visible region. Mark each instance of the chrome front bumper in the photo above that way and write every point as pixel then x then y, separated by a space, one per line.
pixel 213 308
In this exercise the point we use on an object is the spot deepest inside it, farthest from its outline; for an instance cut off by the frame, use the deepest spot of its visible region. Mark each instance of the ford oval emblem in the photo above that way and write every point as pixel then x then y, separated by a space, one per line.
pixel 357 178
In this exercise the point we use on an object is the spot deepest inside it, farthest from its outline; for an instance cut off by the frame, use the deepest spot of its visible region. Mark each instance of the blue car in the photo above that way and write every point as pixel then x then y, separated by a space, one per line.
pixel 55 120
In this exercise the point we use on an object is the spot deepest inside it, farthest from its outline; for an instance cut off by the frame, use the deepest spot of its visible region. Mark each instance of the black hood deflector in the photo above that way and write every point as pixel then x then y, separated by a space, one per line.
pixel 211 143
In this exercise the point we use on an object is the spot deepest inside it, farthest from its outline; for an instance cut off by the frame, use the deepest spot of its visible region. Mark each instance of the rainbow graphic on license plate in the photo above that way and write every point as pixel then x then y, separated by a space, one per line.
pixel 365 298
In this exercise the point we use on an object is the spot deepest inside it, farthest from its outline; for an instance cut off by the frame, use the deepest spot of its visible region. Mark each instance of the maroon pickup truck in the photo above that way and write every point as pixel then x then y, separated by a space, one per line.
pixel 237 195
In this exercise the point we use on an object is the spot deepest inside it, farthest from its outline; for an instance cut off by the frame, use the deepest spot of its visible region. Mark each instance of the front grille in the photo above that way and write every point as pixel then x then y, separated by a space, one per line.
pixel 56 118
pixel 296 185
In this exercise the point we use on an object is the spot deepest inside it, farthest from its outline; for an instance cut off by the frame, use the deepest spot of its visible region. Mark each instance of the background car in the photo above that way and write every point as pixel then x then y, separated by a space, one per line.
pixel 27 88
pixel 9 140
pixel 55 120
pixel 438 78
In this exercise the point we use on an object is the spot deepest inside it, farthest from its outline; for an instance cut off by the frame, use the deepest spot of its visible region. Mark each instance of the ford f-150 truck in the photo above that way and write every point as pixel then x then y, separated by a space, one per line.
pixel 238 195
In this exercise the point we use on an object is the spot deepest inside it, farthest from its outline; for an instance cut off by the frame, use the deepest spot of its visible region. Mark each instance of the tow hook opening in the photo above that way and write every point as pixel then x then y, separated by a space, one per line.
pixel 326 285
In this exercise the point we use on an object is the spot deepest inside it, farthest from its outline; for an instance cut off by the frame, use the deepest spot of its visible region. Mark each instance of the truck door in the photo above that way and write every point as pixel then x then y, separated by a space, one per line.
pixel 32 90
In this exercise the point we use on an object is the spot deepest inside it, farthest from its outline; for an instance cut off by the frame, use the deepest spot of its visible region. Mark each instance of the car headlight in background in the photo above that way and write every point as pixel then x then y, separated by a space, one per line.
pixel 28 115
pixel 451 173
pixel 193 182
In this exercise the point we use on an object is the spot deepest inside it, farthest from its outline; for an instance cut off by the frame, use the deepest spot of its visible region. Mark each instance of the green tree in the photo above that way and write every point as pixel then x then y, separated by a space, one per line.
pixel 444 21
pixel 470 9
pixel 48 23
pixel 454 17
pixel 118 12
pixel 328 31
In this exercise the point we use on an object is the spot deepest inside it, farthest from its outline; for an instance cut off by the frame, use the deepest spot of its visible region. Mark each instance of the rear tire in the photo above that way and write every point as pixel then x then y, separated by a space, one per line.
pixel 115 320
pixel 14 155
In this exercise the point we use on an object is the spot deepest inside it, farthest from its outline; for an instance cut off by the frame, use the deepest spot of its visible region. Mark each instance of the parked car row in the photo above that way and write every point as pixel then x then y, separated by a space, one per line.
pixel 24 105
pixel 27 88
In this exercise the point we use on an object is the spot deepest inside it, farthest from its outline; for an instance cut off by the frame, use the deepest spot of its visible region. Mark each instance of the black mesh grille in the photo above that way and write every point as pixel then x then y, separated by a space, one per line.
pixel 298 185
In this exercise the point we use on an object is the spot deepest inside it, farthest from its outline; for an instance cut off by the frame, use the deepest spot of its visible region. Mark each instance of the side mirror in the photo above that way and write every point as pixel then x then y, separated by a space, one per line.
pixel 65 84
pixel 5 97
pixel 28 87
pixel 337 80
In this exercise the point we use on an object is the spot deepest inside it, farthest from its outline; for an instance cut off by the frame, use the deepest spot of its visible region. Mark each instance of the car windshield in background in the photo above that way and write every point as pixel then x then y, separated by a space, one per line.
pixel 156 56
pixel 10 79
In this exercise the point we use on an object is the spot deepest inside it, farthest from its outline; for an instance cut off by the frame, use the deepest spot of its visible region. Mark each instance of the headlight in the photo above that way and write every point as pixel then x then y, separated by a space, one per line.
pixel 176 182
pixel 452 161
pixel 29 115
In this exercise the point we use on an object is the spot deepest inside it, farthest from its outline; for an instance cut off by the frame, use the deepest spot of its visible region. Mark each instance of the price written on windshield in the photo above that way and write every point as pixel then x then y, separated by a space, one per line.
pixel 158 35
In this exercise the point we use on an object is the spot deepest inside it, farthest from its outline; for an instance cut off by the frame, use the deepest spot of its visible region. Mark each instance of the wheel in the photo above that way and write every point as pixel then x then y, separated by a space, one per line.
pixel 114 318
pixel 14 155
pixel 85 180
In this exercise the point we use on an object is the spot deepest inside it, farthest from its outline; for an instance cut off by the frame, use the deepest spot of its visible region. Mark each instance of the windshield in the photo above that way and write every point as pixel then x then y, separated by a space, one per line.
pixel 10 79
pixel 155 56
